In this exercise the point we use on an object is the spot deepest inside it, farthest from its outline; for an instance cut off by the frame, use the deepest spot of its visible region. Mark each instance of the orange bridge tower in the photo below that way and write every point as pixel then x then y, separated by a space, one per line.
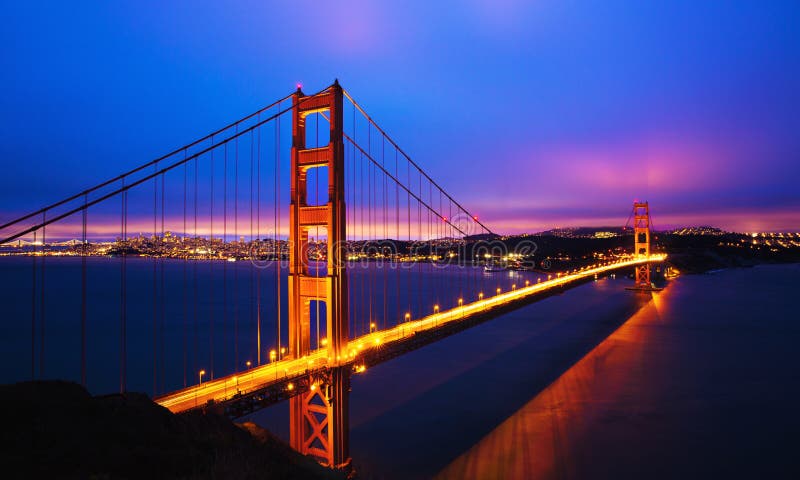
pixel 319 418
pixel 641 232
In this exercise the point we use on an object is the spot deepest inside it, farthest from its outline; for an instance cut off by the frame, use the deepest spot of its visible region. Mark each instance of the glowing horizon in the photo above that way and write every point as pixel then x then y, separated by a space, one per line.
pixel 556 115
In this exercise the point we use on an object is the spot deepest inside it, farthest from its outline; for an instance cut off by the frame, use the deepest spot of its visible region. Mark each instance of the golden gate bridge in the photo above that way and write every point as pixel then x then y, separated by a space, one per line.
pixel 359 211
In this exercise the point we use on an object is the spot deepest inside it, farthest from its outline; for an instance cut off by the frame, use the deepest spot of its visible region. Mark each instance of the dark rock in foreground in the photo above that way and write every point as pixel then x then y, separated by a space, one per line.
pixel 57 430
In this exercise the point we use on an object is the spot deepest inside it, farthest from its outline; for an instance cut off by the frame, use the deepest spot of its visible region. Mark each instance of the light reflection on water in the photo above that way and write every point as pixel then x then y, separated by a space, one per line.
pixel 699 383
pixel 539 439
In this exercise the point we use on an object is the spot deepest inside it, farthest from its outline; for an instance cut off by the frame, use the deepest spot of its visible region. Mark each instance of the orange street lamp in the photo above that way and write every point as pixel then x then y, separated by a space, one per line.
pixel 436 308
pixel 372 327
pixel 408 316
pixel 498 290
pixel 273 355
pixel 480 296
pixel 202 372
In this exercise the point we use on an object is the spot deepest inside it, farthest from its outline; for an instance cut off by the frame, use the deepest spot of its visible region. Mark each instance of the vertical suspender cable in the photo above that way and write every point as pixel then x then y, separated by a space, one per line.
pixel 385 232
pixel 276 246
pixel 83 293
pixel 185 253
pixel 361 189
pixel 123 292
pixel 258 244
pixel 408 216
pixel 351 237
pixel 419 263
pixel 238 250
pixel 224 247
pixel 252 243
pixel 316 201
pixel 41 298
pixel 33 310
pixel 163 291
pixel 369 223
pixel 211 302
pixel 155 283
pixel 194 276
pixel 396 242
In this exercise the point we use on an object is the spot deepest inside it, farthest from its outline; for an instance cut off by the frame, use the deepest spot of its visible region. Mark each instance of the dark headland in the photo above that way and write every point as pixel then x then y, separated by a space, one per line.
pixel 53 429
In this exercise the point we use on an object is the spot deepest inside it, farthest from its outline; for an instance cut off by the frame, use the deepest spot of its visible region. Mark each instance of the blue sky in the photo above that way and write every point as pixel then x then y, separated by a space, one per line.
pixel 533 114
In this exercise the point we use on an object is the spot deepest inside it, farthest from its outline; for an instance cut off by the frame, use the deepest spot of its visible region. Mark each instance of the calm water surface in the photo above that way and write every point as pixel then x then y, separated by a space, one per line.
pixel 204 317
pixel 700 380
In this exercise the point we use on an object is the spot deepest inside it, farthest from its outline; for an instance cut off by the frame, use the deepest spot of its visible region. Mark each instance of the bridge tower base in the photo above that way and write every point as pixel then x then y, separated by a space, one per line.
pixel 319 419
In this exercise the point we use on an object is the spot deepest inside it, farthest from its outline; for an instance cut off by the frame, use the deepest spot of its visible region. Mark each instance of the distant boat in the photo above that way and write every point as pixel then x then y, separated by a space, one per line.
pixel 494 267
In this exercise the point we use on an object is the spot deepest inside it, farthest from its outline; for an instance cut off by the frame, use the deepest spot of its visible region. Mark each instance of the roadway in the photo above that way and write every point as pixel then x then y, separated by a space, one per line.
pixel 256 378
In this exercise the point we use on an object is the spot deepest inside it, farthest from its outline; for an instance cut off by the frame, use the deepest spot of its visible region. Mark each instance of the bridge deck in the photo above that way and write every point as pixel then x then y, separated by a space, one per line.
pixel 282 379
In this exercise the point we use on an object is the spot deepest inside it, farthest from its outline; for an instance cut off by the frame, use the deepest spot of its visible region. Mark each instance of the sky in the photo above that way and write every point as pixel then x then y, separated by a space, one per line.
pixel 534 115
